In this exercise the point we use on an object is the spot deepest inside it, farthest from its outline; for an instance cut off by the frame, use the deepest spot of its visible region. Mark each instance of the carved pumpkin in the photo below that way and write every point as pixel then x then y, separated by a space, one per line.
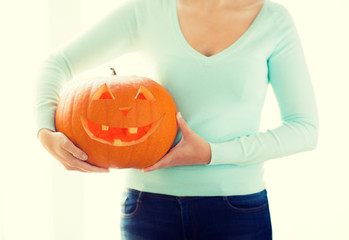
pixel 119 121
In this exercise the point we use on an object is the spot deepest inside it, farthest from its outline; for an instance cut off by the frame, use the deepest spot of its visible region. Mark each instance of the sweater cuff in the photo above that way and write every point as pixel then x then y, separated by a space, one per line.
pixel 226 153
pixel 45 119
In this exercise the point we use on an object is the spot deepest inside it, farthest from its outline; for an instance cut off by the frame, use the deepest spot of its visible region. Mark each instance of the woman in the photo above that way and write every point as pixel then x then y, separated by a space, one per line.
pixel 216 58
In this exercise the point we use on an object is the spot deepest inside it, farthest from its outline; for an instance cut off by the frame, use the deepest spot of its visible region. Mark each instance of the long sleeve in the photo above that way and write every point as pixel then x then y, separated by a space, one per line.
pixel 113 36
pixel 291 83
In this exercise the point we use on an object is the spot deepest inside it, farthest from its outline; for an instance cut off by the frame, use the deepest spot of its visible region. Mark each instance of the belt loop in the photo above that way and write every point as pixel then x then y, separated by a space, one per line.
pixel 140 194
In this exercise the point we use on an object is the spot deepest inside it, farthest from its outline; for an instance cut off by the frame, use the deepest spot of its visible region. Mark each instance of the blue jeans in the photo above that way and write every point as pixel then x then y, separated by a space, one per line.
pixel 150 216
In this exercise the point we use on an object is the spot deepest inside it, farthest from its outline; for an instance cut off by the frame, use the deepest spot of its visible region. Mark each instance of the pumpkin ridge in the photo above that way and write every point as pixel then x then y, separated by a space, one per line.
pixel 73 128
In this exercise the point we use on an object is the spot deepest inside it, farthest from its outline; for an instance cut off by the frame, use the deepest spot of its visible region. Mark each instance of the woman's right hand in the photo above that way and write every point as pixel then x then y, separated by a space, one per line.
pixel 64 150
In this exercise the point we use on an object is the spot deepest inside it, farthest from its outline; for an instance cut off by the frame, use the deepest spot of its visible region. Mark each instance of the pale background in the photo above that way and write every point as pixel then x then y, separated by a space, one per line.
pixel 39 200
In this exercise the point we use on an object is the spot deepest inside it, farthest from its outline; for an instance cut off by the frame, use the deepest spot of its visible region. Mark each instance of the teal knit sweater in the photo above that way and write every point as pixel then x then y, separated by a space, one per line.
pixel 220 97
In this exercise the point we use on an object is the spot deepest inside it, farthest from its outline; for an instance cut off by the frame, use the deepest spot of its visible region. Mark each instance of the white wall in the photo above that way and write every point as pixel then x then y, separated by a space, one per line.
pixel 24 174
pixel 308 191
pixel 67 194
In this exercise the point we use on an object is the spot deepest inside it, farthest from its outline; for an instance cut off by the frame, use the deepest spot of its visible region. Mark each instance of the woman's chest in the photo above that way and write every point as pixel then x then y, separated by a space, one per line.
pixel 210 34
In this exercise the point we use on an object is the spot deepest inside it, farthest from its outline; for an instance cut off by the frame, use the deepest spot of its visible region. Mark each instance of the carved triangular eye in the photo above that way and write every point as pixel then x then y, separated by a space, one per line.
pixel 144 94
pixel 103 93
pixel 140 96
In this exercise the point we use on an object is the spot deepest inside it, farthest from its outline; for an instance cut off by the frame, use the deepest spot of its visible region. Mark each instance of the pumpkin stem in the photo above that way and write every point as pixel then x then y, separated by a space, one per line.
pixel 114 73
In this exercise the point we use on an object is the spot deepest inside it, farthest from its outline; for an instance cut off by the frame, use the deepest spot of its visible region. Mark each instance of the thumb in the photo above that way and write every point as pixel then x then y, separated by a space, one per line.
pixel 73 150
pixel 183 125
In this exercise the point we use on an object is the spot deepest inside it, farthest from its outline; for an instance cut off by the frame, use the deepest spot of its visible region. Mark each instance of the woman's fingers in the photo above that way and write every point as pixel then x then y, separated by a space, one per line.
pixel 73 150
pixel 75 157
pixel 69 168
pixel 74 163
pixel 64 150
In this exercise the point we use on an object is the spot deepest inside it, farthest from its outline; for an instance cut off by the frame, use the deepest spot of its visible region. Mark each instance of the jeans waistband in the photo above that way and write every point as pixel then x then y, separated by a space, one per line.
pixel 172 197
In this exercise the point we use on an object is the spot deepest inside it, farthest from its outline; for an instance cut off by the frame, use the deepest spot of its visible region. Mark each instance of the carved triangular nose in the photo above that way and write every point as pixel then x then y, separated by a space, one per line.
pixel 125 110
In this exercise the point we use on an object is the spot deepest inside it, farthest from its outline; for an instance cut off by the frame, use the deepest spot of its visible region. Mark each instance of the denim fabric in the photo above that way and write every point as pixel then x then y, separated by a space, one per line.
pixel 150 216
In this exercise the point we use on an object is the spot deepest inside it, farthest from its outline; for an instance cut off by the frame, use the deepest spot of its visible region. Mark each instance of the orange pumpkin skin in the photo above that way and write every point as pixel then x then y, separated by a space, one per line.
pixel 119 121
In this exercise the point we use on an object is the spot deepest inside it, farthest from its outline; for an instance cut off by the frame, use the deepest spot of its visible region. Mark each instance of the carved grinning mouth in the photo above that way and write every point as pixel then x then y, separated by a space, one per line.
pixel 116 136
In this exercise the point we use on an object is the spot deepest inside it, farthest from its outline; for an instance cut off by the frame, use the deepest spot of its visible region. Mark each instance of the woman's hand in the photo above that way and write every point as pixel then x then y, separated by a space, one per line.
pixel 191 150
pixel 72 157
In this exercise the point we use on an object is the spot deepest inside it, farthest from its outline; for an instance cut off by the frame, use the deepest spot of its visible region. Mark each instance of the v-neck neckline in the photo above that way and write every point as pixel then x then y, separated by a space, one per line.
pixel 224 52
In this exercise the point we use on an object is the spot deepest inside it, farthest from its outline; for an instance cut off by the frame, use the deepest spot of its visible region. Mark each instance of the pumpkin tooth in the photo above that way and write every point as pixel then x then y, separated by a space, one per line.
pixel 117 142
pixel 133 130
pixel 105 128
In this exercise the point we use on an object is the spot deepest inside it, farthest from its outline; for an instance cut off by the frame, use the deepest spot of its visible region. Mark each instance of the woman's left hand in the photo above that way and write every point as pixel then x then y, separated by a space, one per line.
pixel 191 150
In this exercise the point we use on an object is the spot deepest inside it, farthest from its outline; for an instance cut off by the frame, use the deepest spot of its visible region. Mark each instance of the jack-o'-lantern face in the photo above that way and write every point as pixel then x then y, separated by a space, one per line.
pixel 125 135
pixel 119 121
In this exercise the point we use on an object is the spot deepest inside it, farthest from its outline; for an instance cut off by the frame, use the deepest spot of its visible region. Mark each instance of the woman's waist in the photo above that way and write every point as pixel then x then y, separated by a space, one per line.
pixel 199 180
